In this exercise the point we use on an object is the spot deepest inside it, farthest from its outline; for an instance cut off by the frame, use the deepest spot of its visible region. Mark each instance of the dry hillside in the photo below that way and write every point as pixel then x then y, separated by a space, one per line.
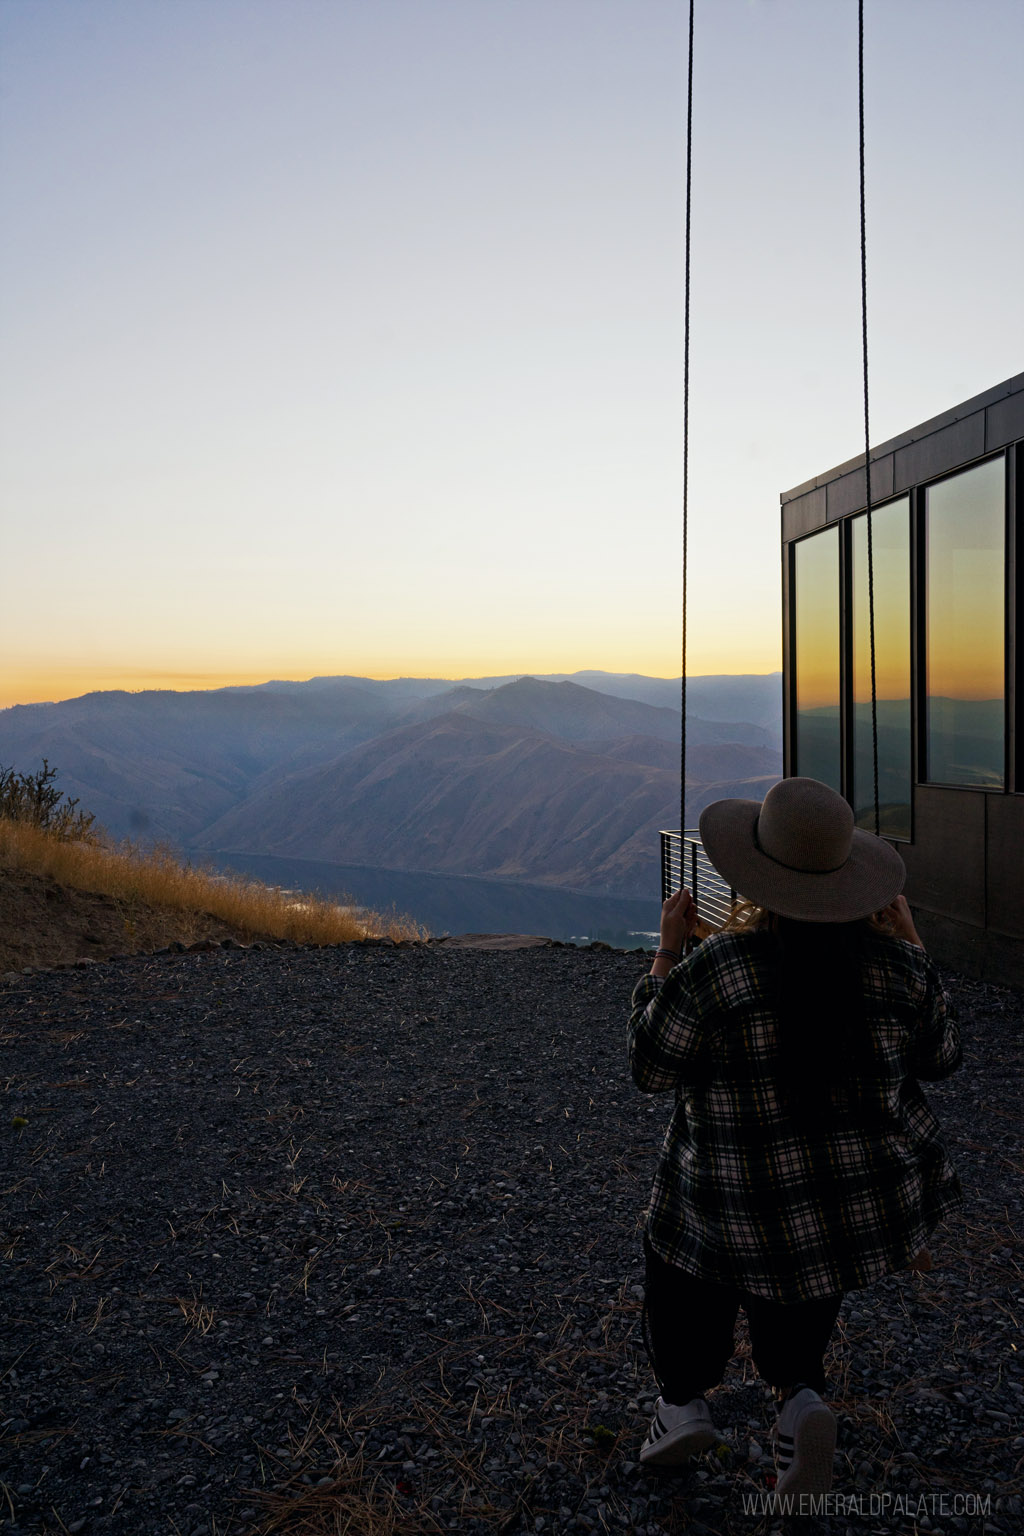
pixel 44 923
pixel 65 900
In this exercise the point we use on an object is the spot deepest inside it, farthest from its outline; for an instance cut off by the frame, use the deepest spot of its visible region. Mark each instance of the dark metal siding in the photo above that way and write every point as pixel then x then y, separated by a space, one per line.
pixel 965 863
pixel 945 863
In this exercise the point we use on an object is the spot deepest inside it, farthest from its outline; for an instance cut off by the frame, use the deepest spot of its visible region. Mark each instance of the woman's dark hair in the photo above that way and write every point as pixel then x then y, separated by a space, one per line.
pixel 825 1042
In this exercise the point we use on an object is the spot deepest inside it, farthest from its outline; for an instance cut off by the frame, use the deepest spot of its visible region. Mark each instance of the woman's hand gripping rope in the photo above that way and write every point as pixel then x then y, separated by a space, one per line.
pixel 678 920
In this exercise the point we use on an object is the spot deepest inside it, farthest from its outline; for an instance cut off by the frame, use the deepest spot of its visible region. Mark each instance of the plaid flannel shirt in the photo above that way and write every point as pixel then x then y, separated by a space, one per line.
pixel 745 1197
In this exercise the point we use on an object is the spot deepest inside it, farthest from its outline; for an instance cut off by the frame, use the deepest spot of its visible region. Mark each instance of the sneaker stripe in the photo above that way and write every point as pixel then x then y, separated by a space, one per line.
pixel 784 1453
pixel 676 1433
pixel 805 1457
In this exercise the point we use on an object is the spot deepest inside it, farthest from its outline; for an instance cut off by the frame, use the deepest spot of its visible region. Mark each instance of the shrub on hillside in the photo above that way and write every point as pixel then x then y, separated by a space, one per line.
pixel 34 799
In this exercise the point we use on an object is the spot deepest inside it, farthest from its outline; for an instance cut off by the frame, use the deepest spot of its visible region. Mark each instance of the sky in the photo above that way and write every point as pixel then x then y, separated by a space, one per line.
pixel 347 337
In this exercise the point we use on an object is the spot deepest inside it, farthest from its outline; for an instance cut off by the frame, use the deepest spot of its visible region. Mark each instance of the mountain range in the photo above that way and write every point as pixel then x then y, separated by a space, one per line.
pixel 545 780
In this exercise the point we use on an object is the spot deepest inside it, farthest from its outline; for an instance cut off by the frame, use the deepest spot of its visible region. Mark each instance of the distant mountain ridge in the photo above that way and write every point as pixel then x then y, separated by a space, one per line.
pixel 574 713
pixel 537 779
pixel 752 697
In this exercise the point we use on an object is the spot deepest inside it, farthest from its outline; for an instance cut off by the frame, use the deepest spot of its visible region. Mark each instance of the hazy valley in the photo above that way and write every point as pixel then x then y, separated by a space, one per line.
pixel 547 783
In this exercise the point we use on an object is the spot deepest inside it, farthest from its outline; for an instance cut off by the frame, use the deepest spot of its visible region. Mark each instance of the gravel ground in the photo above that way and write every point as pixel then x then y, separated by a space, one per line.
pixel 347 1240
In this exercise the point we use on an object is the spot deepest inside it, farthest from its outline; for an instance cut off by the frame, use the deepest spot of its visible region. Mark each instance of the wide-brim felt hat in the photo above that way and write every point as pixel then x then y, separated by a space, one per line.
pixel 797 853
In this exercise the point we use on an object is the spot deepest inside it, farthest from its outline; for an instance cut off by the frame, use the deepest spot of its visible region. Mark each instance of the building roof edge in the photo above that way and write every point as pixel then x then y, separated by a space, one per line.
pixel 970 407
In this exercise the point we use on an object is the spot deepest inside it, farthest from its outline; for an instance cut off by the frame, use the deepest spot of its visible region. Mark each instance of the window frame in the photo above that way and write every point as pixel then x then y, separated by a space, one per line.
pixel 1014 600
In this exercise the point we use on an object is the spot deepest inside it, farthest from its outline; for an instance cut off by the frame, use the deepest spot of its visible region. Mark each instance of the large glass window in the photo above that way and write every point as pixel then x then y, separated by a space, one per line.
pixel 816 623
pixel 890 549
pixel 965 644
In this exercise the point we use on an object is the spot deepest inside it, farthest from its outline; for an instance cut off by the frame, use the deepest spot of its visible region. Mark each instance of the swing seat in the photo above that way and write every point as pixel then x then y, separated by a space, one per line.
pixel 684 862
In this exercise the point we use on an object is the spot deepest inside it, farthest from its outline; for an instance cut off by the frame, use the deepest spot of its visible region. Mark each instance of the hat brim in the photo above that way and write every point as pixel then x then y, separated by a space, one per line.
pixel 872 876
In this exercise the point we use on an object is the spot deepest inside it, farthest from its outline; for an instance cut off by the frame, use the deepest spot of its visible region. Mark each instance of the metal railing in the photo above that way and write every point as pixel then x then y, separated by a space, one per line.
pixel 684 862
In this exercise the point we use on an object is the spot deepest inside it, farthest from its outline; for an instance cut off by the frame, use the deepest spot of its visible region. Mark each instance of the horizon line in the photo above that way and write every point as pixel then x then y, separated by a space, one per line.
pixel 404 677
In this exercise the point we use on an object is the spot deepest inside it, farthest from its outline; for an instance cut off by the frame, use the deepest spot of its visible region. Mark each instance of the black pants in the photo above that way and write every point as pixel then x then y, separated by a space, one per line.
pixel 689 1326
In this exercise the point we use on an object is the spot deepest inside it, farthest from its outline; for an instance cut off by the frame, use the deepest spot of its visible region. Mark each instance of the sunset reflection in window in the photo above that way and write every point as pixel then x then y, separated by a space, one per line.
pixel 816 616
pixel 965 646
pixel 890 542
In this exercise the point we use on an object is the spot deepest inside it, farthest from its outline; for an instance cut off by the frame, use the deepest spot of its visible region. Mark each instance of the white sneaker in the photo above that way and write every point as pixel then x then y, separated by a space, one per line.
pixel 806 1435
pixel 678 1432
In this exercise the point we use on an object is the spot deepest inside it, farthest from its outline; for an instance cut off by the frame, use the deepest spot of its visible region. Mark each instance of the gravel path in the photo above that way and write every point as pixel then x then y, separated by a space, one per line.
pixel 312 1241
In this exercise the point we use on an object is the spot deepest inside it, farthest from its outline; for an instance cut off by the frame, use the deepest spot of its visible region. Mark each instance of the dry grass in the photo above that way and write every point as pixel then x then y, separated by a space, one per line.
pixel 350 1494
pixel 158 879
pixel 338 1486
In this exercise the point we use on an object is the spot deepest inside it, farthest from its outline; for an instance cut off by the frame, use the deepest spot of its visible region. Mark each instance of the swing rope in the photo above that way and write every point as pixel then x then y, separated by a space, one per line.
pixel 867 419
pixel 686 434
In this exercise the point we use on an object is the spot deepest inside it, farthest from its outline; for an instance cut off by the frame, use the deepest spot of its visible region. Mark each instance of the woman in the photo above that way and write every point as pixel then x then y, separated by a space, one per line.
pixel 802 1160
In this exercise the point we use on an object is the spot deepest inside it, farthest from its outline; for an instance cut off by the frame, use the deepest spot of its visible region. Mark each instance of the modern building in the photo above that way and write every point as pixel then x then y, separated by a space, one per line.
pixel 948 578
